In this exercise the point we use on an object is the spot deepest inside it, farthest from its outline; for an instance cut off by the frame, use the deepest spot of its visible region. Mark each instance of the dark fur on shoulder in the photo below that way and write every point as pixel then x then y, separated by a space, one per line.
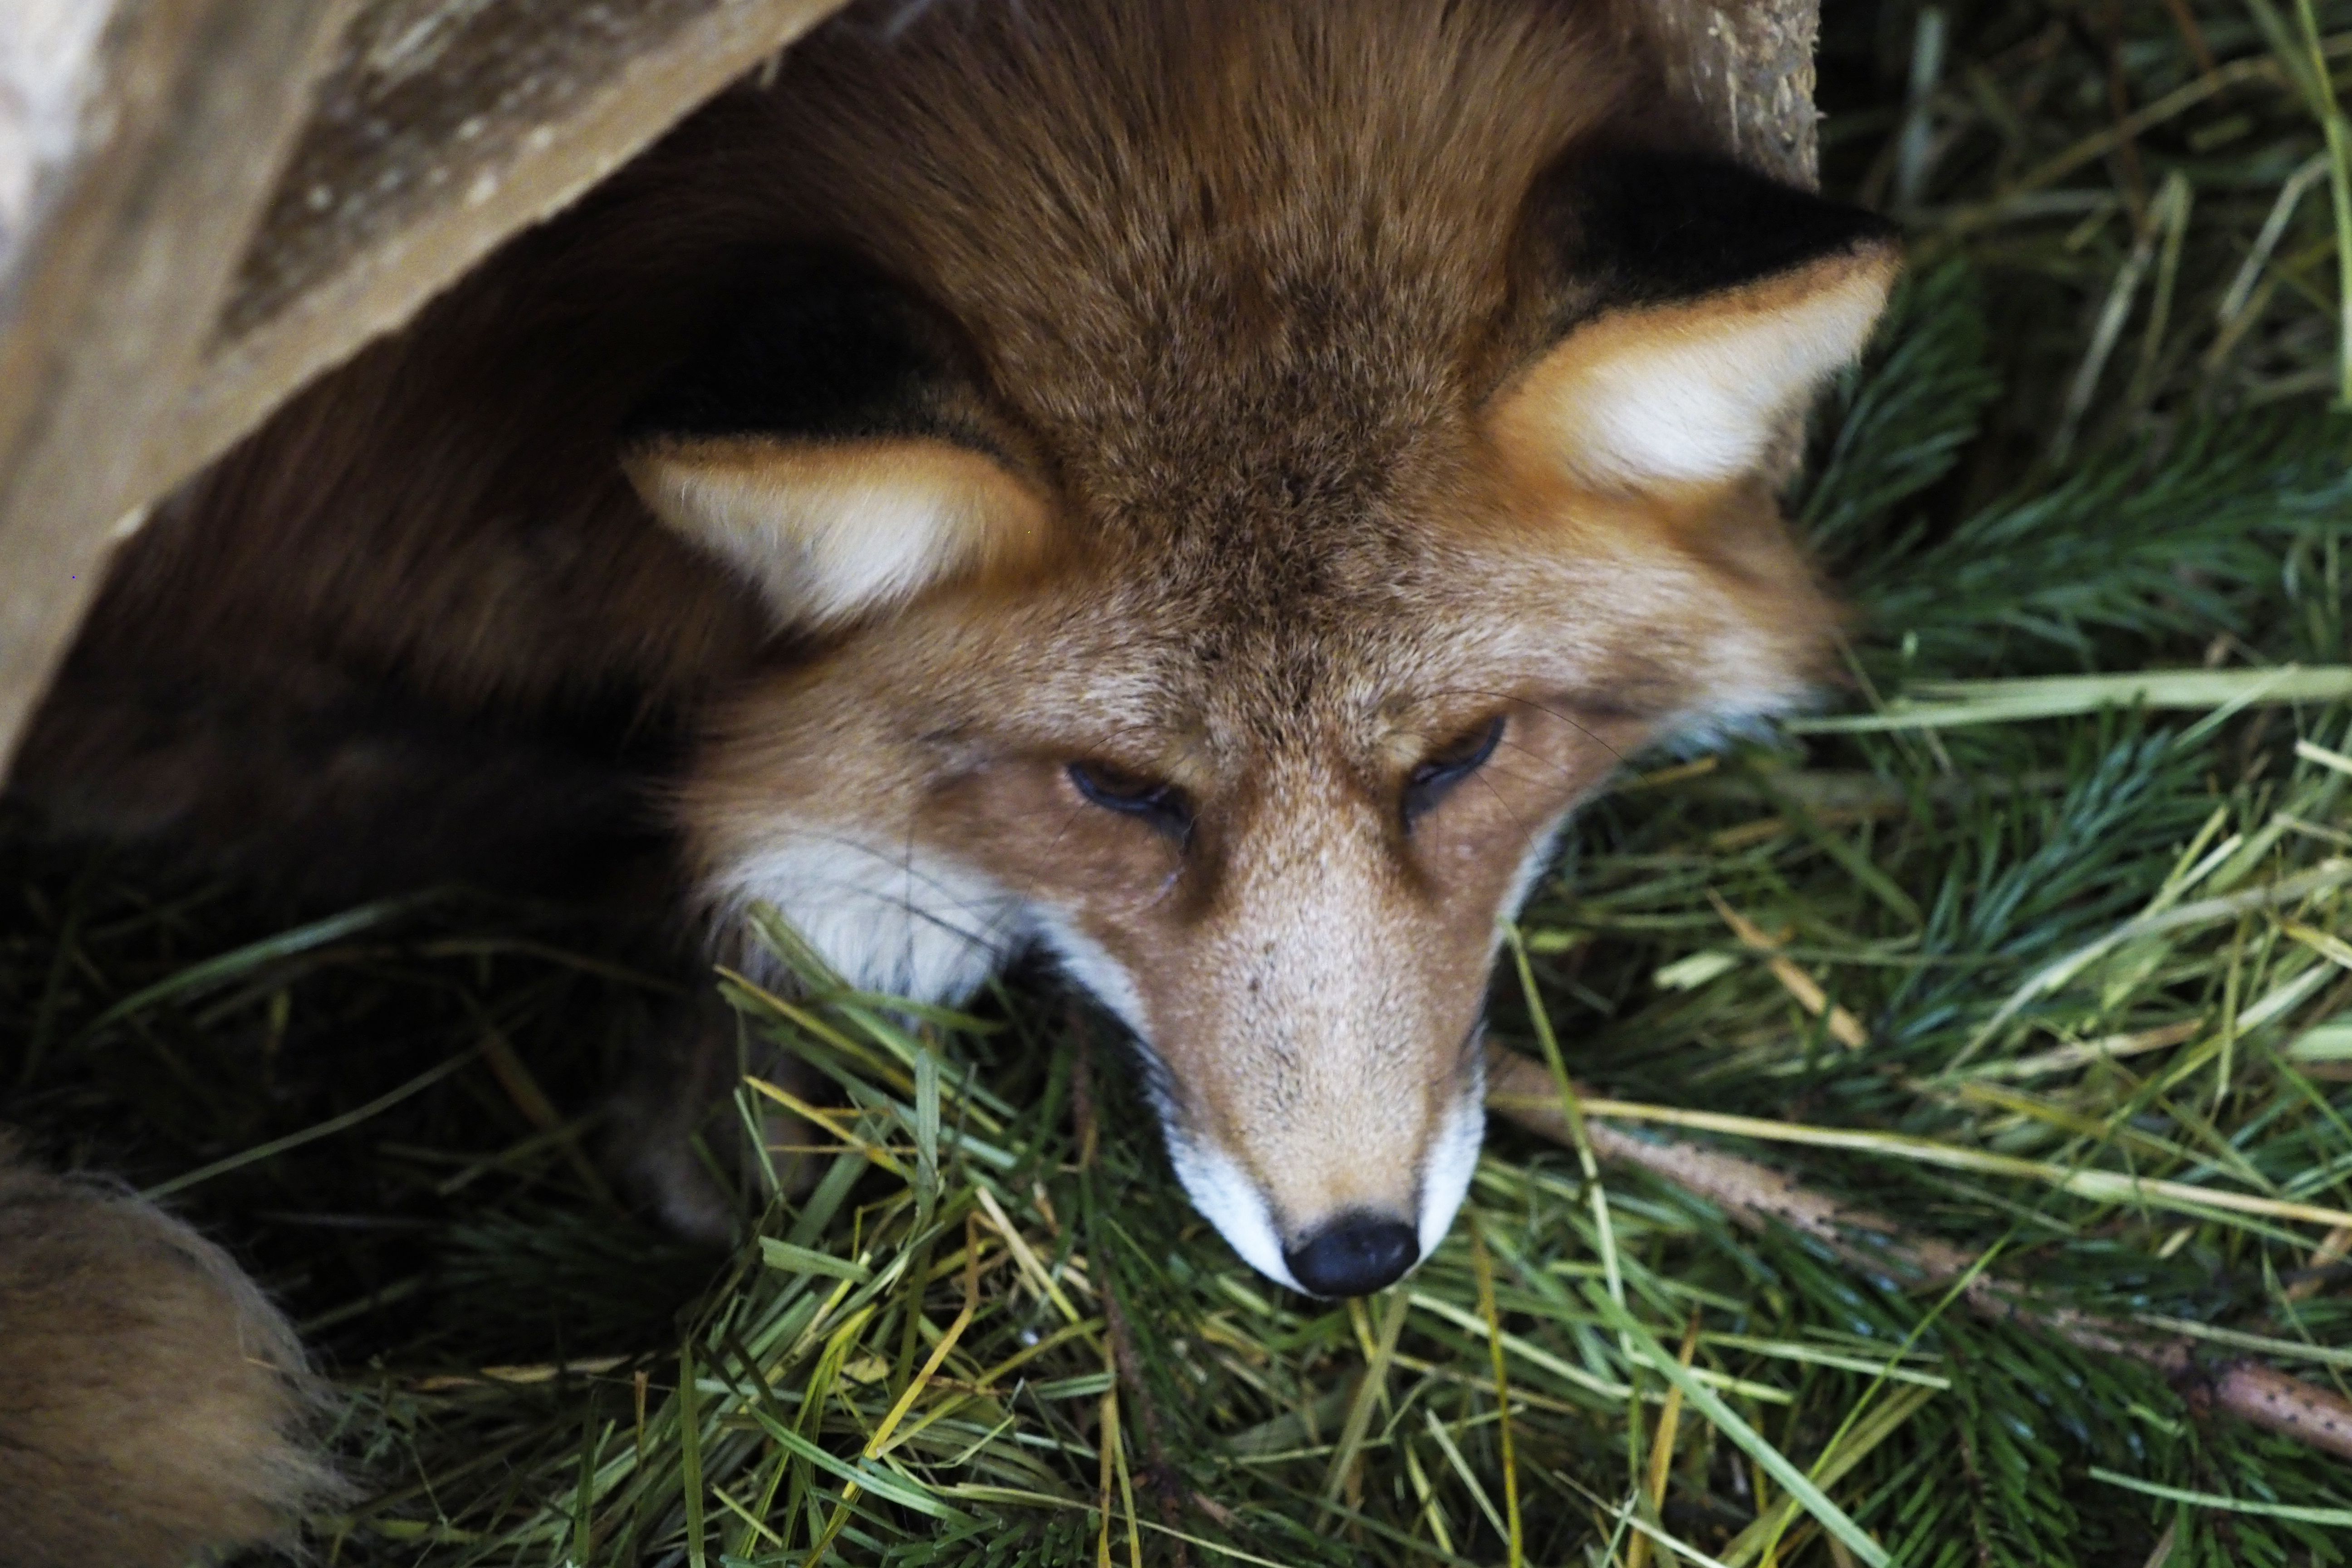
pixel 152 1403
pixel 321 787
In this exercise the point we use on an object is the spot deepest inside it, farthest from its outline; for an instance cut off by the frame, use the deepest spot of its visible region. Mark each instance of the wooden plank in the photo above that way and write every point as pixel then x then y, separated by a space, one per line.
pixel 443 126
pixel 1747 67
pixel 50 70
pixel 202 101
pixel 440 128
pixel 54 264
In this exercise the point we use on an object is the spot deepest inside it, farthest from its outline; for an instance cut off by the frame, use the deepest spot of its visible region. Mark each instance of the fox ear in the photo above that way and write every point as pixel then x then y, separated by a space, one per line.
pixel 827 448
pixel 1699 307
pixel 828 532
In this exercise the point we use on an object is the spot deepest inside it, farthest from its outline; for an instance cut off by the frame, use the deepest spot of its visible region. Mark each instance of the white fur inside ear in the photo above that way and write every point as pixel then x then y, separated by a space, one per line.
pixel 1694 395
pixel 830 532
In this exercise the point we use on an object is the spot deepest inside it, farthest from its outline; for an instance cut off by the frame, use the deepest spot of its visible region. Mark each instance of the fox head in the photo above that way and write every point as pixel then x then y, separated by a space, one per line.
pixel 1240 623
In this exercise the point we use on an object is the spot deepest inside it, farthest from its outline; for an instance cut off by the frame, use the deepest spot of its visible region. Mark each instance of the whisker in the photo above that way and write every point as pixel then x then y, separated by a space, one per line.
pixel 1539 707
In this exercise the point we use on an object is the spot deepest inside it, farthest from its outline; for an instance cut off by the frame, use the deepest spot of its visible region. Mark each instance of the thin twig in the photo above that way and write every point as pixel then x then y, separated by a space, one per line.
pixel 1521 1091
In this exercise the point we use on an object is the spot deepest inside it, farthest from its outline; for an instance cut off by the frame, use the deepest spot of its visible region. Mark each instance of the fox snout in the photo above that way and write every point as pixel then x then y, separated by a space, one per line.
pixel 1381 1210
pixel 1355 1255
pixel 1308 1020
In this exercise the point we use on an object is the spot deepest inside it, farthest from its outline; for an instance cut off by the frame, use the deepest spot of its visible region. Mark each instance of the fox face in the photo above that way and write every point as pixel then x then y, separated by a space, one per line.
pixel 1242 631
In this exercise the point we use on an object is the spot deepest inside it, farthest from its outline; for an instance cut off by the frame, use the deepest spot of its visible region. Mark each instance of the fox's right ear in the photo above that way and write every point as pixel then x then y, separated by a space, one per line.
pixel 827 446
pixel 1700 305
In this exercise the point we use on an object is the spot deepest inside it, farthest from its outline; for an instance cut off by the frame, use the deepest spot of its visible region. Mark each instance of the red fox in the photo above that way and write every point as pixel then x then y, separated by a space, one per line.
pixel 1200 487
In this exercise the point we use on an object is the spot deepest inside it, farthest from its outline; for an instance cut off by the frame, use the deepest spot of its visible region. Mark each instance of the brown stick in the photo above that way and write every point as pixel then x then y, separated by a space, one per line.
pixel 1522 1091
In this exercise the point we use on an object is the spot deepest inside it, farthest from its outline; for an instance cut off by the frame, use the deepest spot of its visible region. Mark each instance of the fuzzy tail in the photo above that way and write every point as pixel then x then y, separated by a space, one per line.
pixel 154 1404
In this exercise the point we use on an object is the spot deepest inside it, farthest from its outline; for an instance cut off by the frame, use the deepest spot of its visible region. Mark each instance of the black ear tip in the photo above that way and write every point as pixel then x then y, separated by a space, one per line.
pixel 1647 226
pixel 1710 187
pixel 809 346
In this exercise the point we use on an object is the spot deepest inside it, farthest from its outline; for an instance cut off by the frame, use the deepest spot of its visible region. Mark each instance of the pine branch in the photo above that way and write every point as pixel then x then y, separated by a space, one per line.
pixel 1897 424
pixel 2141 544
pixel 1521 1091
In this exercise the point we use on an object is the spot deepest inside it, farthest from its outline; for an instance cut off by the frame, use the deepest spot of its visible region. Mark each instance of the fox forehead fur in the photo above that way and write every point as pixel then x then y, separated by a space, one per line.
pixel 1229 478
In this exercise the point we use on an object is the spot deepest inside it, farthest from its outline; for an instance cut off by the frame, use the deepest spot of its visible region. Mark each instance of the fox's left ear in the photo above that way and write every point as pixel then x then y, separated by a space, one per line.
pixel 828 445
pixel 1698 307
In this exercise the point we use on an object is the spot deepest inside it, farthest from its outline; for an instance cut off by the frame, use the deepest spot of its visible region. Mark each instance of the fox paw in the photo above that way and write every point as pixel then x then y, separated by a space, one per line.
pixel 680 1142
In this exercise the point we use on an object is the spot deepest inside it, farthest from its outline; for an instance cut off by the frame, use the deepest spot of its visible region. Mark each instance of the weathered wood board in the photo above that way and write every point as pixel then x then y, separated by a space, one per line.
pixel 206 203
pixel 260 186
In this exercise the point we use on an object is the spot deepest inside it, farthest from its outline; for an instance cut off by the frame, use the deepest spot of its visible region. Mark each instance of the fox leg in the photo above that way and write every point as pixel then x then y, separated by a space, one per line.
pixel 152 1403
pixel 677 1138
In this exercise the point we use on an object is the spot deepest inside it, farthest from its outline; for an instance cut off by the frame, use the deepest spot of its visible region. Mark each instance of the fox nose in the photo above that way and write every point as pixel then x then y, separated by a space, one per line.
pixel 1355 1255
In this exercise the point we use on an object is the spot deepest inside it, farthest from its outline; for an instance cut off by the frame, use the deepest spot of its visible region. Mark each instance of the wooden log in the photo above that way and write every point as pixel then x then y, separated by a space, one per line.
pixel 1746 68
pixel 179 289
pixel 50 69
pixel 442 129
pixel 115 300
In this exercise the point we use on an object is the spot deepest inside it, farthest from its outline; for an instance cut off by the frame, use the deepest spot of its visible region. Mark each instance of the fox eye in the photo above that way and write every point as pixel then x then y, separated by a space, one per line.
pixel 1162 805
pixel 1436 776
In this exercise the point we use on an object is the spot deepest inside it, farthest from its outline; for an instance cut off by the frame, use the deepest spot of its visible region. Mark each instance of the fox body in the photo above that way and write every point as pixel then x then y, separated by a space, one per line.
pixel 1202 489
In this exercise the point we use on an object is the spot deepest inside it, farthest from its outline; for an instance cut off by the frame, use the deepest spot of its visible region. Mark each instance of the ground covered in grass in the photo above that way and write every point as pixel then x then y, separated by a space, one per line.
pixel 2040 955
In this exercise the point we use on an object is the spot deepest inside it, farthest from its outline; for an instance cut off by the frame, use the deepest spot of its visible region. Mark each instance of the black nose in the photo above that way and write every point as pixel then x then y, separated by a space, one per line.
pixel 1355 1255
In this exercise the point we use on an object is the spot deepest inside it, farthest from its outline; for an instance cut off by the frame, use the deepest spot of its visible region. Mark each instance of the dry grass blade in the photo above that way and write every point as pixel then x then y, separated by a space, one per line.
pixel 2102 1186
pixel 1944 704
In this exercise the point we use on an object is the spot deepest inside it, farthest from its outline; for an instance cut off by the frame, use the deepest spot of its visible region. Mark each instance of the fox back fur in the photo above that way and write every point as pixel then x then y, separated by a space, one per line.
pixel 1203 488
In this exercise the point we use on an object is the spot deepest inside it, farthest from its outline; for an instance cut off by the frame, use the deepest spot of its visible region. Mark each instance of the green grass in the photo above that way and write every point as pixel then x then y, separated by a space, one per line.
pixel 2067 857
